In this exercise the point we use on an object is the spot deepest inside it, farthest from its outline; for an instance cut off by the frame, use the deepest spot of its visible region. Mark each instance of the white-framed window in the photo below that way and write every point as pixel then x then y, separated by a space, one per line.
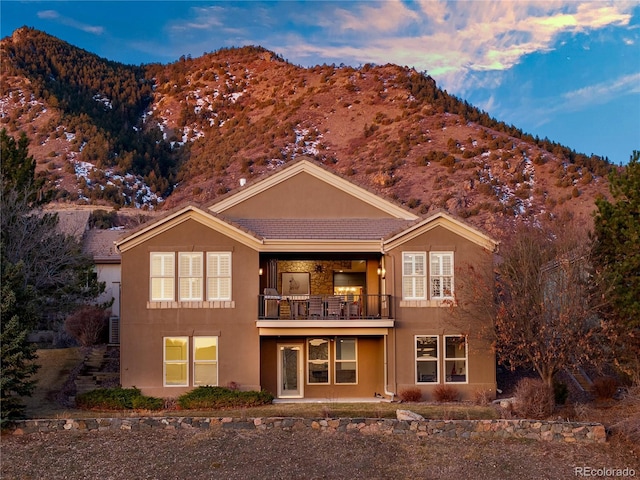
pixel 441 274
pixel 176 361
pixel 414 273
pixel 427 355
pixel 346 361
pixel 455 358
pixel 219 276
pixel 162 276
pixel 318 361
pixel 205 361
pixel 190 276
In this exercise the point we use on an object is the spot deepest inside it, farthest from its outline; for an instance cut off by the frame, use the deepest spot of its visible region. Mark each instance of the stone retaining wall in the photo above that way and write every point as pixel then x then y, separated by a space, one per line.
pixel 533 429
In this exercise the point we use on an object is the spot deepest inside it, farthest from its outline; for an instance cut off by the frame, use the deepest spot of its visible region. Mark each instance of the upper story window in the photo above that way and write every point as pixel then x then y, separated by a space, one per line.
pixel 441 275
pixel 190 280
pixel 219 276
pixel 162 276
pixel 414 273
pixel 190 276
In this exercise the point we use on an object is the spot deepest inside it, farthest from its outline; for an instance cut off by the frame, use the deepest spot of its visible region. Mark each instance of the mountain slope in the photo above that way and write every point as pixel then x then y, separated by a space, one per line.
pixel 159 135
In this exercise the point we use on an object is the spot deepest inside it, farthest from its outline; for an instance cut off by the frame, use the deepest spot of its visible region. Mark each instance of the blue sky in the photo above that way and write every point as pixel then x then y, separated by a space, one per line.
pixel 566 70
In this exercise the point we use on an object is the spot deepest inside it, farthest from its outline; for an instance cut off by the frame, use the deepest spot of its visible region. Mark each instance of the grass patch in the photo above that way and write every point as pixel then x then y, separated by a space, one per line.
pixel 55 366
pixel 354 410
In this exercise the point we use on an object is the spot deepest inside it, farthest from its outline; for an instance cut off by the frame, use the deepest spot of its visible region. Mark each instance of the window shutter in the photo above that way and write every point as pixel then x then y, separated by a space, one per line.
pixel 219 276
pixel 413 275
pixel 162 276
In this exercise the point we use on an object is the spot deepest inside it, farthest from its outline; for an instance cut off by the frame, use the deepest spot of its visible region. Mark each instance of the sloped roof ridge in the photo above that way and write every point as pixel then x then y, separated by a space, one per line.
pixel 338 228
pixel 458 218
pixel 303 158
pixel 191 205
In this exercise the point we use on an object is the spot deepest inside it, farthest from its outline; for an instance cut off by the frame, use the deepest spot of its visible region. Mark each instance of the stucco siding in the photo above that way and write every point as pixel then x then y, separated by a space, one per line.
pixel 304 196
pixel 143 326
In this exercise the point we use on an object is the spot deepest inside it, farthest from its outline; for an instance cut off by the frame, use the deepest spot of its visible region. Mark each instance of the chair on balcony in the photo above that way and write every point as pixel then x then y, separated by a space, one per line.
pixel 352 307
pixel 334 306
pixel 316 308
pixel 271 303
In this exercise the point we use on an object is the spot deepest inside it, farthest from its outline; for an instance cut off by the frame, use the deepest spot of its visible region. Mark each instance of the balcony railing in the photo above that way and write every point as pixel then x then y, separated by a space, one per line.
pixel 329 307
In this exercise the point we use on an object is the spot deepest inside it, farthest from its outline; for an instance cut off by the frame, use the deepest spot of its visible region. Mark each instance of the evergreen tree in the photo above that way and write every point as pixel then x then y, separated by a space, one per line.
pixel 616 256
pixel 18 168
pixel 43 273
pixel 18 355
pixel 617 247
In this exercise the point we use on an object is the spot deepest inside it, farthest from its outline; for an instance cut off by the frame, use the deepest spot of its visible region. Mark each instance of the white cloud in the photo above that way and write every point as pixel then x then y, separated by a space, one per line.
pixel 205 18
pixel 387 16
pixel 453 39
pixel 545 110
pixel 602 92
pixel 70 22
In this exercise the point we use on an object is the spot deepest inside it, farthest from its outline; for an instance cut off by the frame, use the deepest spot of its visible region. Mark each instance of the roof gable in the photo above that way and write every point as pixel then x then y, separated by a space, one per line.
pixel 307 190
pixel 441 219
pixel 188 213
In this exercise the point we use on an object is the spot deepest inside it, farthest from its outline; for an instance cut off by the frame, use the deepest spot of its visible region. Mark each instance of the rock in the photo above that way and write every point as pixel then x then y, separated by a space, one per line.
pixel 408 415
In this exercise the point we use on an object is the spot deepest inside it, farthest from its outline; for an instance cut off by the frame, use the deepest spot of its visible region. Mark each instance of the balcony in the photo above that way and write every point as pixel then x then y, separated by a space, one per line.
pixel 324 311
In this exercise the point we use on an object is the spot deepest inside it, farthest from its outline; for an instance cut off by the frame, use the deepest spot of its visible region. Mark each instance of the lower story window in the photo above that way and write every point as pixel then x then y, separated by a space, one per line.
pixel 455 358
pixel 433 364
pixel 426 359
pixel 176 353
pixel 318 361
pixel 205 361
pixel 346 360
pixel 176 361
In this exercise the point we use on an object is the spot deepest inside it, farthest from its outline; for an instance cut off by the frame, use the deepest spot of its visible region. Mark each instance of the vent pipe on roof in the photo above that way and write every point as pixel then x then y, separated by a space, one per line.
pixel 243 181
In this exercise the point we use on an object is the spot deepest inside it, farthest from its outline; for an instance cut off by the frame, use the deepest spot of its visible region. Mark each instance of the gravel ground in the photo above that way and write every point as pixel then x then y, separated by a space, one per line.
pixel 231 454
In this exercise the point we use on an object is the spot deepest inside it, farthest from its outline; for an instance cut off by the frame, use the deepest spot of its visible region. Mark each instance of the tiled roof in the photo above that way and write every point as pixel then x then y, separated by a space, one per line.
pixel 323 228
pixel 98 244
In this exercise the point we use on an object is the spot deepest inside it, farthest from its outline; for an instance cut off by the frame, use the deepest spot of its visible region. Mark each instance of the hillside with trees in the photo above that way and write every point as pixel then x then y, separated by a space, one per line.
pixel 154 136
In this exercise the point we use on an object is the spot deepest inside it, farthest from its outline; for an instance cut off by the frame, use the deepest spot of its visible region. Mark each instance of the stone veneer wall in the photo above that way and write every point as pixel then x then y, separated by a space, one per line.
pixel 532 429
pixel 321 280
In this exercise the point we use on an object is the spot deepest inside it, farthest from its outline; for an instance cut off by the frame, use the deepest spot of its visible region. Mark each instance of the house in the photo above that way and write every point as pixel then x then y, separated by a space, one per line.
pixel 303 284
pixel 99 245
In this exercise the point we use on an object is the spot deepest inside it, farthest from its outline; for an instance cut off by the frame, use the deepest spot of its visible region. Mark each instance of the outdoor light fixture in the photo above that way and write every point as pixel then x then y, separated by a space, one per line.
pixel 260 271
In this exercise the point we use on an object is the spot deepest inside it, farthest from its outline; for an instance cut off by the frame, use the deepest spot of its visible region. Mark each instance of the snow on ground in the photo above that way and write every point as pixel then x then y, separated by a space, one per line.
pixel 133 187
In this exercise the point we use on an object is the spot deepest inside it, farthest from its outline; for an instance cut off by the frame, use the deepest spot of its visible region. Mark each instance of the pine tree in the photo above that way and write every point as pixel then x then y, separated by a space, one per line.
pixel 43 273
pixel 616 256
pixel 17 353
pixel 617 247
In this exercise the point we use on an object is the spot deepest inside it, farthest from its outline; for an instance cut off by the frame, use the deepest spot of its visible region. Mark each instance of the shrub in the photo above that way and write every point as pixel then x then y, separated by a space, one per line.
pixel 629 425
pixel 102 219
pixel 605 388
pixel 117 399
pixel 220 397
pixel 87 325
pixel 413 394
pixel 445 393
pixel 482 397
pixel 534 398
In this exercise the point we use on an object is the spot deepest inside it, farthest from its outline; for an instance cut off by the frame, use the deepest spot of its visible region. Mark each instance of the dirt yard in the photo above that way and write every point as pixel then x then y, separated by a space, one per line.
pixel 276 454
pixel 301 455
